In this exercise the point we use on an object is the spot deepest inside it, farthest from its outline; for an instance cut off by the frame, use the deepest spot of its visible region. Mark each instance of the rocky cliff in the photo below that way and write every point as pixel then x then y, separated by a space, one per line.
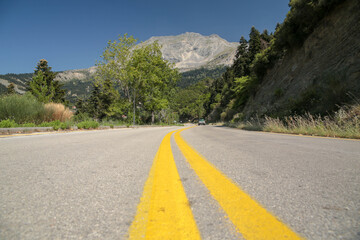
pixel 190 51
pixel 318 76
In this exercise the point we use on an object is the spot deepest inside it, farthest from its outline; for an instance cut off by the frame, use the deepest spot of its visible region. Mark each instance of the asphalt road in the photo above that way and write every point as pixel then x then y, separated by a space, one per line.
pixel 87 185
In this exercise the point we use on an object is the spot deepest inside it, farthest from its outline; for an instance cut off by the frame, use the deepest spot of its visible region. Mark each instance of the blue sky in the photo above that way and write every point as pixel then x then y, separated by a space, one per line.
pixel 72 34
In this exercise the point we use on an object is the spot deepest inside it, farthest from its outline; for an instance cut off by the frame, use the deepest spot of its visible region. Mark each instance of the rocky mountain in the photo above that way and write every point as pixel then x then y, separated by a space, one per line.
pixel 189 52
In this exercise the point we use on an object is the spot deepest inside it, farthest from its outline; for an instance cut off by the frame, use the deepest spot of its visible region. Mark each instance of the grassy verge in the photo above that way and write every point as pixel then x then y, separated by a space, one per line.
pixel 345 124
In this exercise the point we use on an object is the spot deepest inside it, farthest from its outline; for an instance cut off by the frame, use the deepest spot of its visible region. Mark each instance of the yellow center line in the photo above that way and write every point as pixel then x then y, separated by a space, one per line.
pixel 249 217
pixel 164 211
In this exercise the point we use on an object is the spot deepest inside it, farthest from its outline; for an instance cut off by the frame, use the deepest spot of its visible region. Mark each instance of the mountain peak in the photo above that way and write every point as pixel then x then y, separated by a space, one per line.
pixel 192 50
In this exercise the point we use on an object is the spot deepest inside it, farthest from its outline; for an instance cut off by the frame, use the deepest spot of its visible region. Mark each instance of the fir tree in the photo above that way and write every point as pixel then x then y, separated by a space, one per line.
pixel 254 43
pixel 44 86
pixel 94 105
pixel 40 89
pixel 242 60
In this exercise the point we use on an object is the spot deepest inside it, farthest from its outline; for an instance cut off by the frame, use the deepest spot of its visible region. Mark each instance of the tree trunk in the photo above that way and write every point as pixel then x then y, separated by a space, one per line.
pixel 152 117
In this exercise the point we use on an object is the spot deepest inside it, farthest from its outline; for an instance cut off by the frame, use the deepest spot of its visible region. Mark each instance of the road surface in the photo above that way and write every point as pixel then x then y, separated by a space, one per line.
pixel 203 182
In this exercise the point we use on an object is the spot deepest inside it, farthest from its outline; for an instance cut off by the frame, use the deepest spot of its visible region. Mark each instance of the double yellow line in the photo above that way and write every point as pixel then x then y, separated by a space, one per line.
pixel 164 211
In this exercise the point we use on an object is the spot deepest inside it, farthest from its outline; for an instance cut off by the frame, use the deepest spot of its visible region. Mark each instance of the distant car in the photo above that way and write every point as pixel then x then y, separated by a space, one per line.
pixel 201 122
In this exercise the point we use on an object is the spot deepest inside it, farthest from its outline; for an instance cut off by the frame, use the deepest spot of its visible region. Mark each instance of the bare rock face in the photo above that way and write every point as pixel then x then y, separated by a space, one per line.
pixel 79 74
pixel 190 51
pixel 328 64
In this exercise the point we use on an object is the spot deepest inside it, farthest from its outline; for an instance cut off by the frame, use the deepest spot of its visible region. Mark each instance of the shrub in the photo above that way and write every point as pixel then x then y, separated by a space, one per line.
pixel 28 125
pixel 57 111
pixel 87 125
pixel 21 109
pixel 7 123
pixel 56 125
pixel 80 117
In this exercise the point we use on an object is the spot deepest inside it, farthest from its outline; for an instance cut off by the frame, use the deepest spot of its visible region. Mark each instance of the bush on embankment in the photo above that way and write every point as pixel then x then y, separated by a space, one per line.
pixel 26 111
pixel 21 109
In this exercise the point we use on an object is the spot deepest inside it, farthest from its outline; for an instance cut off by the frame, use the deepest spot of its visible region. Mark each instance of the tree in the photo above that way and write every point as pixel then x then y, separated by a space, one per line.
pixel 142 75
pixel 152 78
pixel 40 89
pixel 10 89
pixel 242 60
pixel 254 43
pixel 44 86
pixel 94 103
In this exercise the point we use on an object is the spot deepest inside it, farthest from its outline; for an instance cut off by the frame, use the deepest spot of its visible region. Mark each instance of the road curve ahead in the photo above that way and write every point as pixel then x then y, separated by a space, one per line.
pixel 177 183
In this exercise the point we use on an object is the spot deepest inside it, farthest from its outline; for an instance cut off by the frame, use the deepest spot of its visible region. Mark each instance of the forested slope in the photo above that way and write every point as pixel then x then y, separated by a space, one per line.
pixel 309 65
pixel 319 76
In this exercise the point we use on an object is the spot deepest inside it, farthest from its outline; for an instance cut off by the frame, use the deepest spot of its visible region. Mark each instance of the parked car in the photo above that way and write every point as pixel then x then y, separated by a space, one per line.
pixel 201 122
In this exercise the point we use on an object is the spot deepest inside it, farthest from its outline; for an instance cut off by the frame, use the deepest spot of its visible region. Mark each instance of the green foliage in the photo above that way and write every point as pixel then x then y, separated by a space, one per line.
pixel 56 125
pixel 254 43
pixel 254 57
pixel 8 123
pixel 238 83
pixel 144 78
pixel 87 125
pixel 194 76
pixel 242 89
pixel 78 89
pixel 81 116
pixel 151 77
pixel 303 17
pixel 103 102
pixel 40 89
pixel 300 22
pixel 264 60
pixel 44 87
pixel 242 61
pixel 21 108
pixel 190 102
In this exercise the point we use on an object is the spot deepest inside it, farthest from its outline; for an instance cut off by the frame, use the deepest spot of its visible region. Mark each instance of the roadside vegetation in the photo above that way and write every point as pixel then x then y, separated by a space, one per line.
pixel 345 123
pixel 133 85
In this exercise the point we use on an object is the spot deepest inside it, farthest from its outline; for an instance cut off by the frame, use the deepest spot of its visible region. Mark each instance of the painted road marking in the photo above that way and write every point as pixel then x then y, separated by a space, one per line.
pixel 164 211
pixel 249 217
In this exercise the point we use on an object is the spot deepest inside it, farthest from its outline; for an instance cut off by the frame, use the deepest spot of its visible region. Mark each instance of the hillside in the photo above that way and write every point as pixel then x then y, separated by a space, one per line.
pixel 320 75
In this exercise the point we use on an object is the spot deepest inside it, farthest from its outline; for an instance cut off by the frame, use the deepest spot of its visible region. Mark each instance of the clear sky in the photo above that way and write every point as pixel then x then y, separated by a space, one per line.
pixel 71 34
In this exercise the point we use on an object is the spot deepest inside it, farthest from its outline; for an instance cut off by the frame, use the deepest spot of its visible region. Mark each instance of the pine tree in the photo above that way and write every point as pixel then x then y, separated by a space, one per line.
pixel 94 103
pixel 10 89
pixel 241 64
pixel 44 86
pixel 40 89
pixel 254 43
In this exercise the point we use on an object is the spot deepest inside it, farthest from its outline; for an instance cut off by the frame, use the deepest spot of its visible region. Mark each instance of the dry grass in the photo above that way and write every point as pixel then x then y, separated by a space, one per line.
pixel 57 111
pixel 345 123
